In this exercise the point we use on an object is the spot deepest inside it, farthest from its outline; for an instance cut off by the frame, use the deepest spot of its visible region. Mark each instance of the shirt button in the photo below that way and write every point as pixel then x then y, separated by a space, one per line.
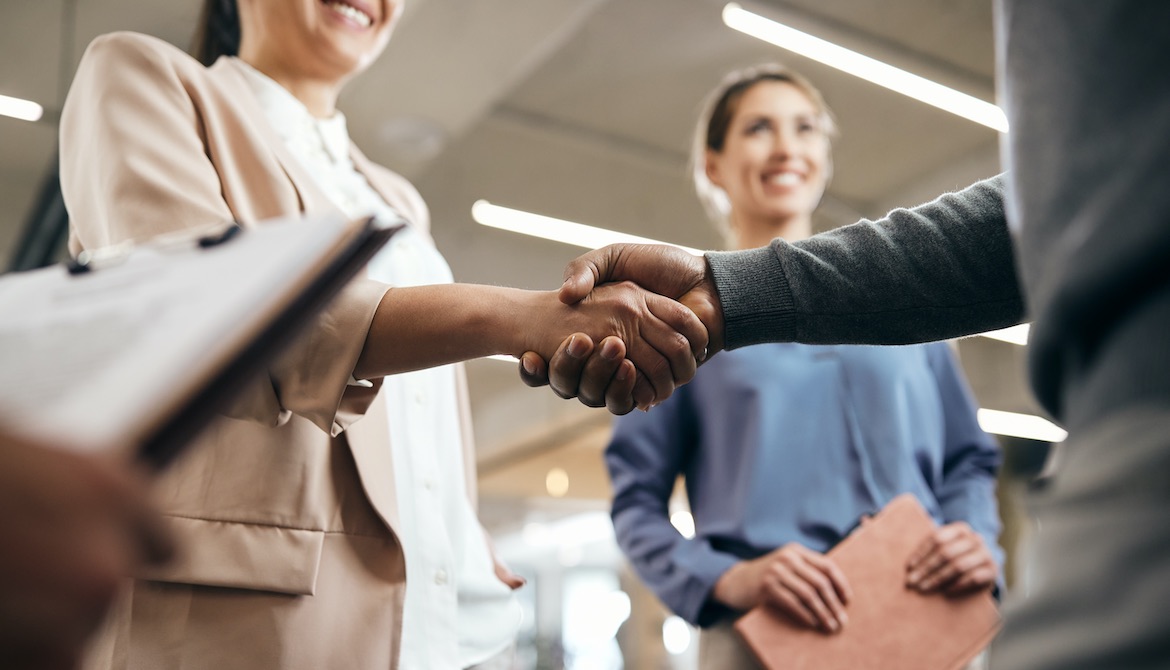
pixel 429 484
pixel 440 577
pixel 418 398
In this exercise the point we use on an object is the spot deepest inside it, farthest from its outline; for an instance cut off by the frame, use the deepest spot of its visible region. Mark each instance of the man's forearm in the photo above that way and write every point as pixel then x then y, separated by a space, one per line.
pixel 940 270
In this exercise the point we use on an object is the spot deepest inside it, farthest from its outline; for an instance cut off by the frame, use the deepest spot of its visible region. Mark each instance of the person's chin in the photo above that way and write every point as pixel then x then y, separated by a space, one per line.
pixel 340 59
pixel 786 207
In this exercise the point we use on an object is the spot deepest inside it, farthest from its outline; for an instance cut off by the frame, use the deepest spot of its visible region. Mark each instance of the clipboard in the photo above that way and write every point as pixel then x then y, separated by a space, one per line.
pixel 131 350
pixel 890 625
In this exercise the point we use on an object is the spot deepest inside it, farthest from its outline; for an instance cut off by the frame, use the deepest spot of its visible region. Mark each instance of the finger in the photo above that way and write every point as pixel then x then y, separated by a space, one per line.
pixel 939 557
pixel 978 579
pixel 781 598
pixel 564 376
pixel 619 397
pixel 533 369
pixel 672 347
pixel 514 581
pixel 643 391
pixel 153 542
pixel 807 593
pixel 156 543
pixel 955 565
pixel 683 321
pixel 599 371
pixel 509 578
pixel 662 354
pixel 654 370
pixel 818 593
pixel 836 578
pixel 938 538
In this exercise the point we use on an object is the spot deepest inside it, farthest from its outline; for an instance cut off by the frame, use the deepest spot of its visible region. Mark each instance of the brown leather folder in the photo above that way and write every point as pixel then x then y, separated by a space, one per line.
pixel 891 627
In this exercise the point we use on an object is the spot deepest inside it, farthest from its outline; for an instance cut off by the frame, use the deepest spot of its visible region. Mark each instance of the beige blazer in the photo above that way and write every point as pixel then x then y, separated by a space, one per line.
pixel 285 511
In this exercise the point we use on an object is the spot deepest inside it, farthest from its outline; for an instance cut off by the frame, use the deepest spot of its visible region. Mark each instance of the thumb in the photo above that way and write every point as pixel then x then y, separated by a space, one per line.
pixel 533 369
pixel 585 272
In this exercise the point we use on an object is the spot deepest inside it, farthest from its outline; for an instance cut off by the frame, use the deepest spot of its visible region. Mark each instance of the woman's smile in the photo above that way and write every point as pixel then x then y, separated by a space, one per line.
pixel 352 12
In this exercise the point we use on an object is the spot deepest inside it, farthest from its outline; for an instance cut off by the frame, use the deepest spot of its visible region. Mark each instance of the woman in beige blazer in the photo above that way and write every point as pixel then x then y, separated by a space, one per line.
pixel 286 511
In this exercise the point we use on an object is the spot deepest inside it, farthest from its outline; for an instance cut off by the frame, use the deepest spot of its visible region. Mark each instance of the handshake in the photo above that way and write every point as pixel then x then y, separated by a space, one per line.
pixel 645 317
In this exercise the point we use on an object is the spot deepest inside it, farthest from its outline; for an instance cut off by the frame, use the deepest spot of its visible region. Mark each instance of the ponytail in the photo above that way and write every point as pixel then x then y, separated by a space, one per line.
pixel 218 33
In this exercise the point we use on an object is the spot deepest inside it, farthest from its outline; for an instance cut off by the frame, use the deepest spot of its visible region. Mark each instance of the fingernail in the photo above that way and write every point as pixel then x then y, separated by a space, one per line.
pixel 577 347
pixel 623 373
pixel 913 578
pixel 529 366
pixel 703 356
pixel 844 619
pixel 610 350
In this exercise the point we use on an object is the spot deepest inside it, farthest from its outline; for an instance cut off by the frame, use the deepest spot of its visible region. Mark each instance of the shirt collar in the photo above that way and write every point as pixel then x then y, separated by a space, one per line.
pixel 291 119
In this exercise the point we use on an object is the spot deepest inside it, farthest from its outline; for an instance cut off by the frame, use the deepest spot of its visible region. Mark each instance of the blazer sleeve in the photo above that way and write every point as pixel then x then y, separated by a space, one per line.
pixel 136 163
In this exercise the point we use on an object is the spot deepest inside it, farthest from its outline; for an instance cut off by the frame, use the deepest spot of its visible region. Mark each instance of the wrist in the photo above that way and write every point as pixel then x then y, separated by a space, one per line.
pixel 712 311
pixel 518 323
pixel 729 589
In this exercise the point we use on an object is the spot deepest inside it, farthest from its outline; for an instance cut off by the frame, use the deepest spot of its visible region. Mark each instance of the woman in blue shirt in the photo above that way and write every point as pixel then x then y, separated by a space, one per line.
pixel 784 447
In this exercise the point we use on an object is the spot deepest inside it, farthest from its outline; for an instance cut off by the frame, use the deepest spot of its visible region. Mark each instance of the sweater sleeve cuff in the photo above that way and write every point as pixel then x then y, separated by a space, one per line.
pixel 705 566
pixel 757 300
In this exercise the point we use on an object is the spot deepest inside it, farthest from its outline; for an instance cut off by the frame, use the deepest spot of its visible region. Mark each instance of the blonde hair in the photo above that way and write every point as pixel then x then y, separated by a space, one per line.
pixel 715 120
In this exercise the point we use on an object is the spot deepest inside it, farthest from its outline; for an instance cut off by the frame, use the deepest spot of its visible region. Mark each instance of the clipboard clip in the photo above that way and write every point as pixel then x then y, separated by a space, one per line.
pixel 90 260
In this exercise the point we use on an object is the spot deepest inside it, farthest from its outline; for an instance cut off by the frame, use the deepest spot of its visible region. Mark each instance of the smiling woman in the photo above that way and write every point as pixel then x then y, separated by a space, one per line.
pixel 809 437
pixel 347 473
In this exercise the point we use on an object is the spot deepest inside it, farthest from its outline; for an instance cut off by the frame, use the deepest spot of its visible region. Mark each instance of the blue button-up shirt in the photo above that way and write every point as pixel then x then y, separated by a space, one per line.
pixel 784 443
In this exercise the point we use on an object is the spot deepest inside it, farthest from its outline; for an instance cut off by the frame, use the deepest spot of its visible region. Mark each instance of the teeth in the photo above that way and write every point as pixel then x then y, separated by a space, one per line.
pixel 784 179
pixel 352 13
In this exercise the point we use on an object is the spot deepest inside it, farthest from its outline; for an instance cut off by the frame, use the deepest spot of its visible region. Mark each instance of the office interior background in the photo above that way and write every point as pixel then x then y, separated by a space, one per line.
pixel 582 110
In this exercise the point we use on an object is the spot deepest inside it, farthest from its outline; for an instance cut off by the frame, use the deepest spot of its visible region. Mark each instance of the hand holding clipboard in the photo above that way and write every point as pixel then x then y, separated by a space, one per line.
pixel 134 351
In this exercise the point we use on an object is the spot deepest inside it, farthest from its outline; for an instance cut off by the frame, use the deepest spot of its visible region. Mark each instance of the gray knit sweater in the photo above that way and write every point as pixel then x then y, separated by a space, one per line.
pixel 939 270
pixel 1089 199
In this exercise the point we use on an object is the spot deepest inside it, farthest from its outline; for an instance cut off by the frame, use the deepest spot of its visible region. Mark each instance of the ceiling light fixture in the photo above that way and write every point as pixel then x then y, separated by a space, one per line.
pixel 1015 334
pixel 557 230
pixel 18 108
pixel 1020 425
pixel 870 69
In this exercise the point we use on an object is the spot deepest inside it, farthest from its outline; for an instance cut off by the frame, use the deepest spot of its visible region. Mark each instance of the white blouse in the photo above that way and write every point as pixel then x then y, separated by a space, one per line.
pixel 457 613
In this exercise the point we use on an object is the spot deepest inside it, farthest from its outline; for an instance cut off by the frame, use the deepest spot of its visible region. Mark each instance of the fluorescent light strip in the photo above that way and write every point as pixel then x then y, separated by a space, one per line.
pixel 1020 425
pixel 1014 335
pixel 557 230
pixel 858 65
pixel 17 108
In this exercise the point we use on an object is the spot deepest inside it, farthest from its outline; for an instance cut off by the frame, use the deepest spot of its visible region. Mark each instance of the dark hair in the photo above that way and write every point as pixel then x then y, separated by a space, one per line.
pixel 218 33
pixel 715 121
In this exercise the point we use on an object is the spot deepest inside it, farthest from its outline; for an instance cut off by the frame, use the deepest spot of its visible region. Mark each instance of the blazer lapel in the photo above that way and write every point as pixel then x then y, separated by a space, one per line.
pixel 369 437
pixel 312 199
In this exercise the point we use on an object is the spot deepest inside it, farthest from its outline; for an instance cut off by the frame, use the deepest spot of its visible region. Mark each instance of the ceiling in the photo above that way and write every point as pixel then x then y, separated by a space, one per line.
pixel 581 109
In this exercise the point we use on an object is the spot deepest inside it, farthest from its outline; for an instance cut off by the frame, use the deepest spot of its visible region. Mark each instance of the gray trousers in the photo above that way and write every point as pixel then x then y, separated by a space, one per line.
pixel 1100 596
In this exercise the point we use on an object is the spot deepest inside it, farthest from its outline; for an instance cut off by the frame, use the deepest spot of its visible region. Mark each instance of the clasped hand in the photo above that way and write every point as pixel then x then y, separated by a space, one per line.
pixel 621 373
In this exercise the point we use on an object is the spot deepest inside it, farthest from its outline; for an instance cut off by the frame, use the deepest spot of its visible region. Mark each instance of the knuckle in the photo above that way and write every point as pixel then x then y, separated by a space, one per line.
pixel 590 401
pixel 657 369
